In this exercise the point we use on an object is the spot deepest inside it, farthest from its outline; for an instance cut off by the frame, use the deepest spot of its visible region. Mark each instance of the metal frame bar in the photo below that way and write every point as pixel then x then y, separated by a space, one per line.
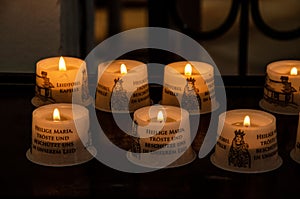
pixel 246 8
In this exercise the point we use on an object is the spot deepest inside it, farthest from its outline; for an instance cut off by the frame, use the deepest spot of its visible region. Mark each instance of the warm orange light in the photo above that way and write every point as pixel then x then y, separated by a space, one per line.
pixel 188 69
pixel 160 116
pixel 56 115
pixel 247 121
pixel 294 71
pixel 123 69
pixel 62 64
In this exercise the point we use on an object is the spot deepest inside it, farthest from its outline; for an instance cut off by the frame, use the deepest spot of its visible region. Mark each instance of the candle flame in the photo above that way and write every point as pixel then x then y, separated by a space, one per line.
pixel 247 121
pixel 188 69
pixel 56 115
pixel 123 69
pixel 62 64
pixel 160 116
pixel 294 71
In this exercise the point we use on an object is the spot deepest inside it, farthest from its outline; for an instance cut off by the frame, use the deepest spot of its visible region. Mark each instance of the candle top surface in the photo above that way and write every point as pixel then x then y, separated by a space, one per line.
pixel 52 63
pixel 259 119
pixel 149 114
pixel 197 67
pixel 114 66
pixel 283 67
pixel 68 112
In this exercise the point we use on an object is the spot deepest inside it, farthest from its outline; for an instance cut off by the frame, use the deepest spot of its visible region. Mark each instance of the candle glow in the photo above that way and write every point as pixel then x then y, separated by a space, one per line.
pixel 62 64
pixel 56 115
pixel 247 121
pixel 188 69
pixel 160 116
pixel 123 69
pixel 294 71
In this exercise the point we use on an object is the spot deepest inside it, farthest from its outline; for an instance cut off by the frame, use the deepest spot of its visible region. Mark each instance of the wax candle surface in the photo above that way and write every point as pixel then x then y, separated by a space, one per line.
pixel 122 92
pixel 250 147
pixel 62 85
pixel 192 90
pixel 60 140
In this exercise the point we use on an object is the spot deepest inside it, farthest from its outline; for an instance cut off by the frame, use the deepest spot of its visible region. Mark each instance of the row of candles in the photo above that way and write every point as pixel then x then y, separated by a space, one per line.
pixel 60 129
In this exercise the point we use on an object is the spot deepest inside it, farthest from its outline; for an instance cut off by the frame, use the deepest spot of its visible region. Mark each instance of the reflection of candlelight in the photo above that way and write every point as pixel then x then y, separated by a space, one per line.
pixel 188 70
pixel 123 69
pixel 62 64
pixel 56 115
pixel 294 71
pixel 247 121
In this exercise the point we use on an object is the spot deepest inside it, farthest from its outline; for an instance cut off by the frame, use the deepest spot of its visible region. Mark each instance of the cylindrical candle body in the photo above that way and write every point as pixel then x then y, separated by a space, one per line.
pixel 295 153
pixel 122 92
pixel 161 144
pixel 282 90
pixel 57 86
pixel 60 142
pixel 246 148
pixel 195 92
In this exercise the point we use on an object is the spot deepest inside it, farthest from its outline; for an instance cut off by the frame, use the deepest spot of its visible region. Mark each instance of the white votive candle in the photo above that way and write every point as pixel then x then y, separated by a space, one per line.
pixel 122 86
pixel 60 135
pixel 190 85
pixel 247 141
pixel 62 80
pixel 295 152
pixel 161 137
pixel 282 87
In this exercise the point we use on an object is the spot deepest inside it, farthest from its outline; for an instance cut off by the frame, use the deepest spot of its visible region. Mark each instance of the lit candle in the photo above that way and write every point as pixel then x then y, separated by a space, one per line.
pixel 247 121
pixel 60 135
pixel 161 137
pixel 122 86
pixel 61 80
pixel 190 85
pixel 282 87
pixel 294 71
pixel 247 142
pixel 295 152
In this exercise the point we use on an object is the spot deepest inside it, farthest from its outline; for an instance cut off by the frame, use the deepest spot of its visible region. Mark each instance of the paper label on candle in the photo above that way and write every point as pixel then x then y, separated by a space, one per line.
pixel 171 141
pixel 54 141
pixel 245 151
